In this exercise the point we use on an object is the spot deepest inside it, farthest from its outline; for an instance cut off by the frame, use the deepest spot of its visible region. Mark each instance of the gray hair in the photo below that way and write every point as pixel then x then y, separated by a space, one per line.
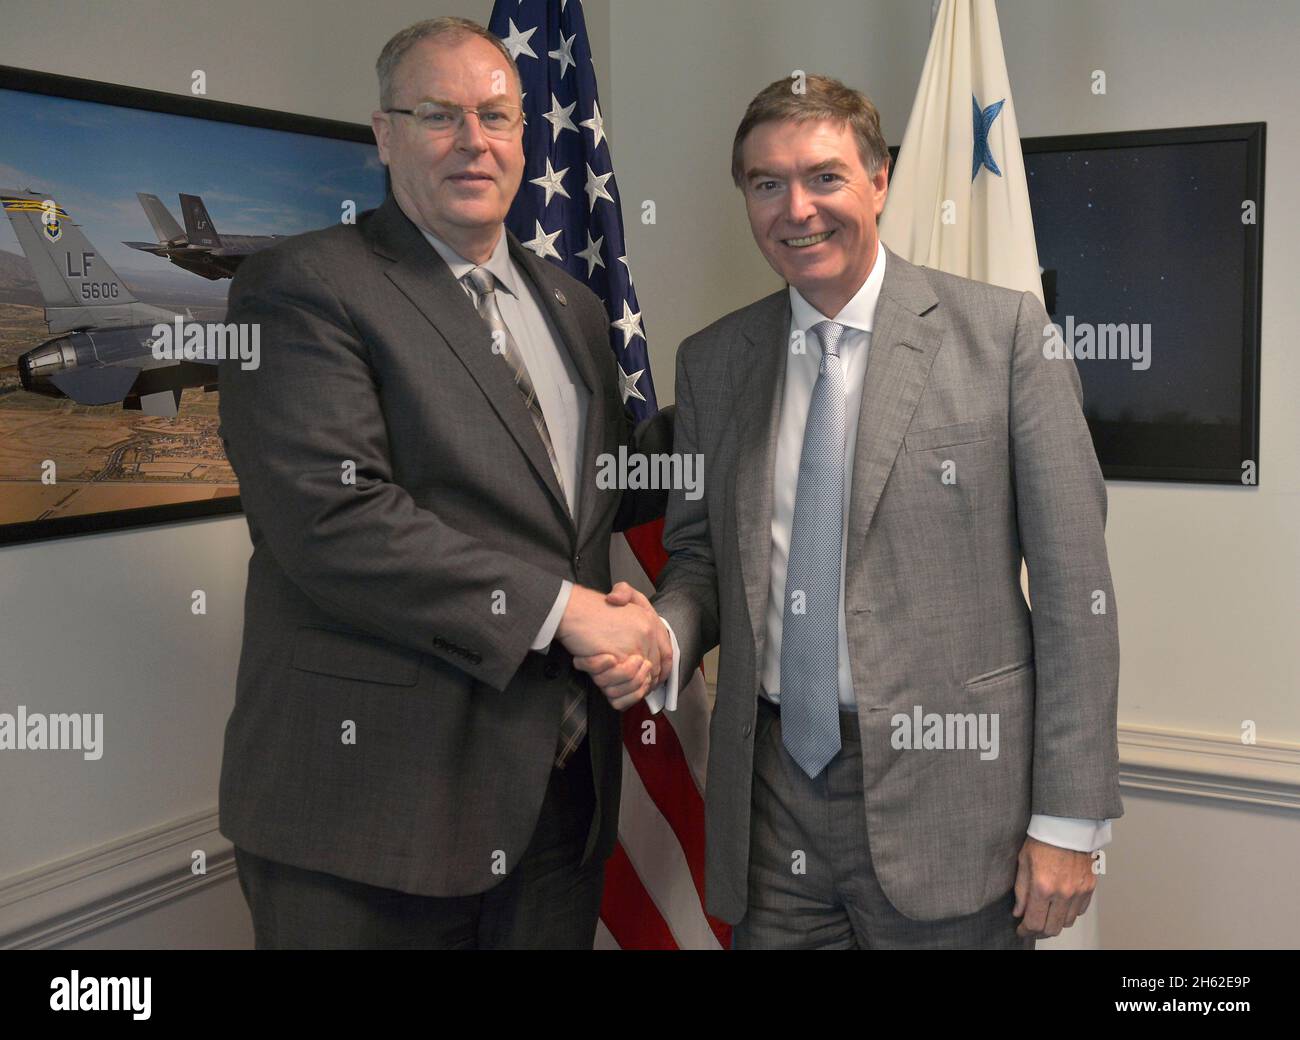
pixel 450 28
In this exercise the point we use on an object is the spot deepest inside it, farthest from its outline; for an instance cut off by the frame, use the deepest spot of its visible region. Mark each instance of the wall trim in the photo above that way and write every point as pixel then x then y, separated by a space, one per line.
pixel 1209 766
pixel 62 901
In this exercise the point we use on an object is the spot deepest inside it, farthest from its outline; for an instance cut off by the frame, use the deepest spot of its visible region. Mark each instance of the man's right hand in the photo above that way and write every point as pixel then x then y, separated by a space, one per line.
pixel 619 639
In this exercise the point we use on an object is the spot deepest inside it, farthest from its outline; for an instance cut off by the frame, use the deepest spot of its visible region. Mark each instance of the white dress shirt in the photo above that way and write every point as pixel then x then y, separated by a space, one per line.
pixel 561 392
pixel 801 369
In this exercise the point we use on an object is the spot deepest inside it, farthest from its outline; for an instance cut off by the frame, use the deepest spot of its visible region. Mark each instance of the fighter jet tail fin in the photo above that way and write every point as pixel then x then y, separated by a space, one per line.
pixel 164 224
pixel 198 225
pixel 70 272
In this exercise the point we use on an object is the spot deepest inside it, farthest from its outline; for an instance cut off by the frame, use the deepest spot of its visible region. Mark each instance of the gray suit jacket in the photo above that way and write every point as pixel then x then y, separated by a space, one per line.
pixel 376 605
pixel 933 604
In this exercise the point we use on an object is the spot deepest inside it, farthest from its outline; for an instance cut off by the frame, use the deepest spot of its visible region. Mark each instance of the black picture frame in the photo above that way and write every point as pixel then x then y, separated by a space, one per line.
pixel 1252 136
pixel 44 83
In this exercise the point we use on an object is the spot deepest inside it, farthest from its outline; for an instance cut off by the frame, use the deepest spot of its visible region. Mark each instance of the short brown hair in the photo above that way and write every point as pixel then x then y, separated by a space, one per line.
pixel 823 98
pixel 454 29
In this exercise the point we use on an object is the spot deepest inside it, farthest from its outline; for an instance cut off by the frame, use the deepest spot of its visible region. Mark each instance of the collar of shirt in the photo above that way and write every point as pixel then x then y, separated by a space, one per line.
pixel 498 263
pixel 858 313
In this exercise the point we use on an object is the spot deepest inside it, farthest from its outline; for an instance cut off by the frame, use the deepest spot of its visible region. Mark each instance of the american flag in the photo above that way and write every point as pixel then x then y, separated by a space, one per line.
pixel 568 211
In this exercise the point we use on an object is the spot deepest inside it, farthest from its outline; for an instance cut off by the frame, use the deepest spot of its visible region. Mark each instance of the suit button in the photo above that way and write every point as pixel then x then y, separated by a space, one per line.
pixel 552 670
pixel 577 560
pixel 745 729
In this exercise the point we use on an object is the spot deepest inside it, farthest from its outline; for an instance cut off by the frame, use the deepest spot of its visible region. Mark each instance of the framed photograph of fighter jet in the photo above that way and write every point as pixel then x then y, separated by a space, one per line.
pixel 125 214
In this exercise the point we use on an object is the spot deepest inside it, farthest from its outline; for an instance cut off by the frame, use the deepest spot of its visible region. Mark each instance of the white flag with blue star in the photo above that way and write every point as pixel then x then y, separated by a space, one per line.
pixel 958 199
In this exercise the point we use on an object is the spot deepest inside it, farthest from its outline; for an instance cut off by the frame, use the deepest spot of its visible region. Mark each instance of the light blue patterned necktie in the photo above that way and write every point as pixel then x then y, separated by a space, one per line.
pixel 810 629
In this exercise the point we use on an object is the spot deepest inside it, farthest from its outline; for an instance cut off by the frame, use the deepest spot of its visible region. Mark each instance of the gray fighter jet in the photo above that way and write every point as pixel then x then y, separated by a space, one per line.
pixel 101 353
pixel 198 248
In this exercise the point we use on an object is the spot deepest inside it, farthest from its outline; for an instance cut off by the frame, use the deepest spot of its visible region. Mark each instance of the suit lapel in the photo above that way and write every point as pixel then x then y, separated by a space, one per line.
pixel 758 380
pixel 427 282
pixel 903 347
pixel 565 318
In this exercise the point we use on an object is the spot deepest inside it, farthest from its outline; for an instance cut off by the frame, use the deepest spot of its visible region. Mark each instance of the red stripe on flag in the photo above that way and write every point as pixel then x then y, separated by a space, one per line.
pixel 670 784
pixel 627 909
pixel 647 544
pixel 663 770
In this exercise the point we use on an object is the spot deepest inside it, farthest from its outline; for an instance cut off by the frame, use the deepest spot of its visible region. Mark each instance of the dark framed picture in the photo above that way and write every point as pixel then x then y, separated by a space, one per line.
pixel 1151 244
pixel 1152 247
pixel 126 213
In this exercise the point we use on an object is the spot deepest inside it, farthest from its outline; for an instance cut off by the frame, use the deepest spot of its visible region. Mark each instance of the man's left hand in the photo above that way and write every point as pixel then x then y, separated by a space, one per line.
pixel 1053 887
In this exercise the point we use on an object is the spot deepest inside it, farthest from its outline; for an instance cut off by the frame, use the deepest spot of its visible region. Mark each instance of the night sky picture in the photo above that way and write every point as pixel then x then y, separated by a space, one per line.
pixel 1153 234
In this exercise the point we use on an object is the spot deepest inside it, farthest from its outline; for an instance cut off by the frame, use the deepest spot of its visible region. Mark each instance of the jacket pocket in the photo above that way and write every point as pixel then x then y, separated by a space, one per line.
pixel 945 436
pixel 328 651
pixel 997 675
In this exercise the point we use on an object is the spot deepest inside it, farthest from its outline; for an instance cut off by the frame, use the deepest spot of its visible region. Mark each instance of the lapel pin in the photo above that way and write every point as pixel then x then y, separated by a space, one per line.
pixel 560 296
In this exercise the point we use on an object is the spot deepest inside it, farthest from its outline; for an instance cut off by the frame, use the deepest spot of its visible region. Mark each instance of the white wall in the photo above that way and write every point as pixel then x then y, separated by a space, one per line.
pixel 1207 579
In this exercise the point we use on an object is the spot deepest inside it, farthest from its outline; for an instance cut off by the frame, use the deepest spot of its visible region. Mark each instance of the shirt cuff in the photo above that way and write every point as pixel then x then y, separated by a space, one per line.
pixel 1068 833
pixel 665 694
pixel 547 632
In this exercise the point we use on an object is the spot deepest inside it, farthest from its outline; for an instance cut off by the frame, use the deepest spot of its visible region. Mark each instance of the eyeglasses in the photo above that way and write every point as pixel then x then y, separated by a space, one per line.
pixel 441 119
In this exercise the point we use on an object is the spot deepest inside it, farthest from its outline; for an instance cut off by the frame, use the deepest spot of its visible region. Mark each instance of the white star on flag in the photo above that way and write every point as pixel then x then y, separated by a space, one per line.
pixel 517 42
pixel 627 384
pixel 596 187
pixel 550 182
pixel 544 244
pixel 629 324
pixel 559 118
pixel 595 124
pixel 592 254
pixel 564 54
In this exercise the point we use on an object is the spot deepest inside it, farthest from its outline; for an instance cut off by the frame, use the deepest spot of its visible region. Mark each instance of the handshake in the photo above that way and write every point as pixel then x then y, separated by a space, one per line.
pixel 618 640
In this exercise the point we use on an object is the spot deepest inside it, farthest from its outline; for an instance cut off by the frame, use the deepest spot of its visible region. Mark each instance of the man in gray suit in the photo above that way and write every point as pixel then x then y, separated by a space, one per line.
pixel 900 755
pixel 413 760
